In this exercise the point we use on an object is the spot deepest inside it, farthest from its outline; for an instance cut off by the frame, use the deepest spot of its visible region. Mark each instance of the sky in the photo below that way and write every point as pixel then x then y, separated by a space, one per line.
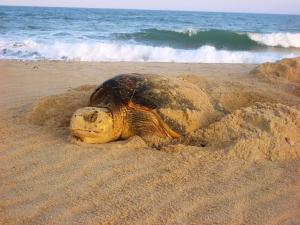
pixel 255 6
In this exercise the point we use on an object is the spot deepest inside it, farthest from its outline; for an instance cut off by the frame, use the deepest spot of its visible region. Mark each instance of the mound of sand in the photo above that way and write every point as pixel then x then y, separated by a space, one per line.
pixel 262 131
pixel 288 69
pixel 56 110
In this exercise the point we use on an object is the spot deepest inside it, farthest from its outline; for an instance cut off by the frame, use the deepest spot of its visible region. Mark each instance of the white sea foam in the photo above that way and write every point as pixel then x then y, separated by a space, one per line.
pixel 285 40
pixel 91 51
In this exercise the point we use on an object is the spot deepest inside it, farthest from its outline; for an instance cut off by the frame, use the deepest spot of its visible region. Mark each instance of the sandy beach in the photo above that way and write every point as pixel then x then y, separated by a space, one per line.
pixel 248 172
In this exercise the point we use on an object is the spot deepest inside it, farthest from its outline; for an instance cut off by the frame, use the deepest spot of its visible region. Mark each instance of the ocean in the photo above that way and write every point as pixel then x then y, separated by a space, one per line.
pixel 80 34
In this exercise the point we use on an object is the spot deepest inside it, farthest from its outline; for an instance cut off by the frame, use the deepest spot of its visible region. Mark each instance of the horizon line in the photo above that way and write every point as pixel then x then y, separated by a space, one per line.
pixel 174 10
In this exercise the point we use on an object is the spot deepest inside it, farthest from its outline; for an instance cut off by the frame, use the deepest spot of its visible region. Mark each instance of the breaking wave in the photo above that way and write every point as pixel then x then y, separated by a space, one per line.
pixel 286 40
pixel 220 39
pixel 102 51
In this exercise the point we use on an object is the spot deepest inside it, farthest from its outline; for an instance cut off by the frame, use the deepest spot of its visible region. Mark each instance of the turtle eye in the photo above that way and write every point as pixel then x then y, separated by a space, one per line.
pixel 94 116
pixel 91 117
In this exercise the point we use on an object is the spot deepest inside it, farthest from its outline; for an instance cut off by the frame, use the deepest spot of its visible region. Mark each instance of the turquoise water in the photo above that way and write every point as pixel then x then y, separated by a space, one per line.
pixel 141 35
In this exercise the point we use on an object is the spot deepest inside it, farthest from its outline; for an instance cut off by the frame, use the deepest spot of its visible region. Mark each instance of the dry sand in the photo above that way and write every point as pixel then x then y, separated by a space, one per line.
pixel 248 172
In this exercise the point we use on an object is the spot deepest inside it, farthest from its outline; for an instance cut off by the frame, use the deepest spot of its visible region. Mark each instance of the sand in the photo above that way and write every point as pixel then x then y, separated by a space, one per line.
pixel 242 168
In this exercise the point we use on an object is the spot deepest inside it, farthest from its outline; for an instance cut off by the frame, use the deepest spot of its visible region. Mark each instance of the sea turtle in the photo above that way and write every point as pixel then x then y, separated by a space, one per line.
pixel 143 105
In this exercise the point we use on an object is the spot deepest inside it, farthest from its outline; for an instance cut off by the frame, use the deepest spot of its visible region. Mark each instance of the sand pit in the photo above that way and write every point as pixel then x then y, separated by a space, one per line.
pixel 261 131
pixel 241 168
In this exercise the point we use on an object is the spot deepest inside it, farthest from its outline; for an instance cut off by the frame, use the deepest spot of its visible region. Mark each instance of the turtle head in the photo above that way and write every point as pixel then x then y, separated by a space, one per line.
pixel 93 125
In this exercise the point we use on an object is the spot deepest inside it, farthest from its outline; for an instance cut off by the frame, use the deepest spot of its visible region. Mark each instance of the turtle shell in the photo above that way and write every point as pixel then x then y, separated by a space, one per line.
pixel 180 104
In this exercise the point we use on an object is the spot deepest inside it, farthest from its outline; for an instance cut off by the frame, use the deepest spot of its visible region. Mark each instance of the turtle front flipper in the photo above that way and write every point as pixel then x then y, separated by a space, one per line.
pixel 146 123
